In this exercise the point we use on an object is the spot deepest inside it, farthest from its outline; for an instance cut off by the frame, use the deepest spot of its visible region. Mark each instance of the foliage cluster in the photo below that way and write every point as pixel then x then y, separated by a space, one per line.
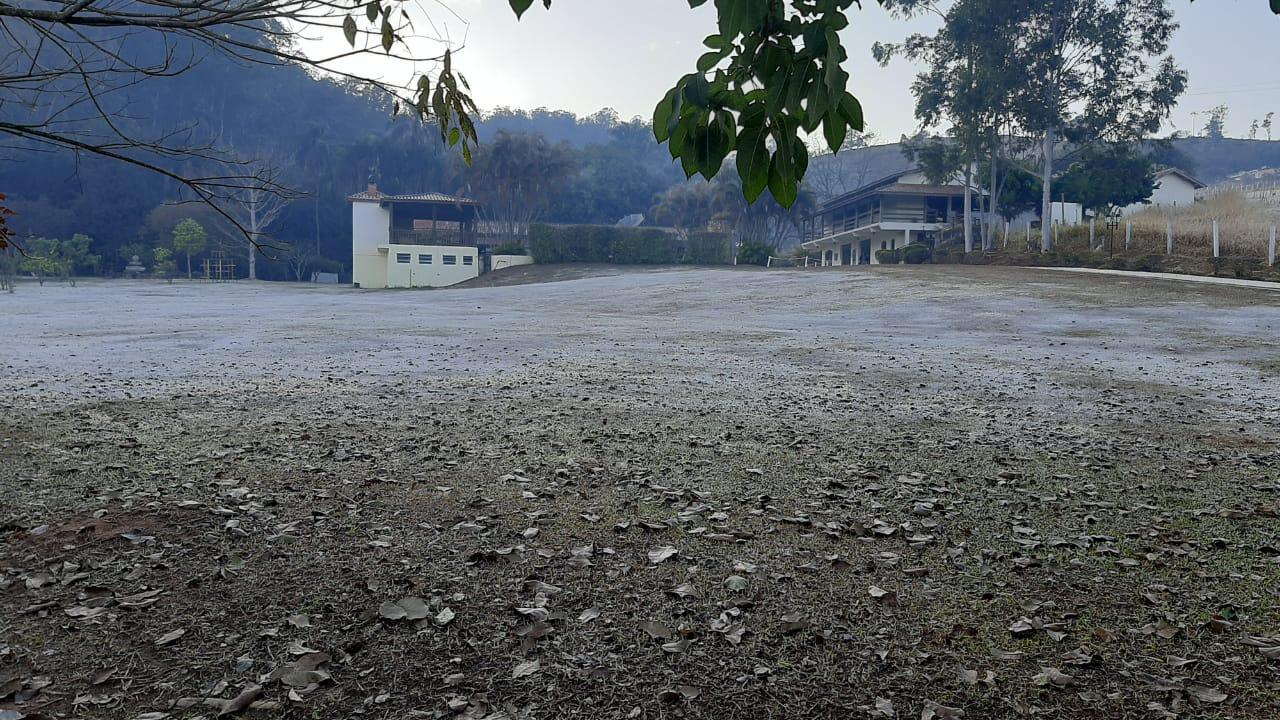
pixel 620 245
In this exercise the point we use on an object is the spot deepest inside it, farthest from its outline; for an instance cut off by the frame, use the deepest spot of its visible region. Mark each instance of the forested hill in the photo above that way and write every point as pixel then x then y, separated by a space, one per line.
pixel 326 140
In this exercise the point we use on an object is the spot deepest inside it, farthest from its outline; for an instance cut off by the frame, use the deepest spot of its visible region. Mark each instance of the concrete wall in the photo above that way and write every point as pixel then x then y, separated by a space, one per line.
pixel 416 272
pixel 1171 191
pixel 499 262
pixel 370 228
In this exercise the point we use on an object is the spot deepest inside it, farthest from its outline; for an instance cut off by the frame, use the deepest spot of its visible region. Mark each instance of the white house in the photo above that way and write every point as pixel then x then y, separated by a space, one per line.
pixel 418 240
pixel 886 214
pixel 1175 188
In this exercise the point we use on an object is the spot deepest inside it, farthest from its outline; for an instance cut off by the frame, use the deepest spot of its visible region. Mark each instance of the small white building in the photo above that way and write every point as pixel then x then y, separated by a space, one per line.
pixel 418 240
pixel 887 214
pixel 1175 188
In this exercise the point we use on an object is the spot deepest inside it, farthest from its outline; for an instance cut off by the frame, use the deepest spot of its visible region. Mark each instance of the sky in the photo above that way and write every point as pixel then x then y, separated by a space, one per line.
pixel 584 55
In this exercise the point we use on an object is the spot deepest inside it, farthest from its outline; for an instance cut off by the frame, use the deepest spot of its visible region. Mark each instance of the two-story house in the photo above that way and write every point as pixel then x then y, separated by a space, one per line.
pixel 887 214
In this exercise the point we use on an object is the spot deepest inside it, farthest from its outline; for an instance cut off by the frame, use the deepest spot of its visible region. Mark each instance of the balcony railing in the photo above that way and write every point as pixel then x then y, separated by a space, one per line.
pixel 432 237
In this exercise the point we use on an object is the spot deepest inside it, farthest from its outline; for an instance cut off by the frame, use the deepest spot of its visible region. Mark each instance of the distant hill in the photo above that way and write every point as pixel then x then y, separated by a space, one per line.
pixel 1212 160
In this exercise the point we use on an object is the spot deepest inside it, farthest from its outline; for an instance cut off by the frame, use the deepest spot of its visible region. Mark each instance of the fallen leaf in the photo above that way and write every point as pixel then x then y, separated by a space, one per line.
pixel 525 669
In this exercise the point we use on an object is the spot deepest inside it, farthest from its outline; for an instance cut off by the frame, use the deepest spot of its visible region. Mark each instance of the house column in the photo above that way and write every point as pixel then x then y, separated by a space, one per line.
pixel 906 238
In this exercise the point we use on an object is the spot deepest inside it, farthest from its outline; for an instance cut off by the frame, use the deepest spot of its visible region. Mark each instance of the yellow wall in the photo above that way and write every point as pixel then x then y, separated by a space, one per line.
pixel 436 274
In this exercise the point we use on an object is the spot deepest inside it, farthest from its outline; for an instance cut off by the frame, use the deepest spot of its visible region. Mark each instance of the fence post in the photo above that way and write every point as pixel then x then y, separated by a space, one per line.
pixel 1128 234
pixel 1216 246
pixel 1090 234
pixel 1168 241
pixel 1271 247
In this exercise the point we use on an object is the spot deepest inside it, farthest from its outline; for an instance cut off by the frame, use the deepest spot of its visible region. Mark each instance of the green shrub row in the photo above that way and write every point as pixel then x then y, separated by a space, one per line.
pixel 625 246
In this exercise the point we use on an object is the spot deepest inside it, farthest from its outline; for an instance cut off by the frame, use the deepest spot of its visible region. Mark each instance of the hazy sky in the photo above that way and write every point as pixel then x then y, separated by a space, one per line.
pixel 583 55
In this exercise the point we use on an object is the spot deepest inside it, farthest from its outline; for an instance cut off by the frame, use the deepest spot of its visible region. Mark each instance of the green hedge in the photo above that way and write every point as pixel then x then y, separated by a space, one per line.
pixel 624 246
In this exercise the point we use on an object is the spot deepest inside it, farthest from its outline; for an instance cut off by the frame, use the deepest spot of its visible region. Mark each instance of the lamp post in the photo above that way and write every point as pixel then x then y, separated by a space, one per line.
pixel 1113 222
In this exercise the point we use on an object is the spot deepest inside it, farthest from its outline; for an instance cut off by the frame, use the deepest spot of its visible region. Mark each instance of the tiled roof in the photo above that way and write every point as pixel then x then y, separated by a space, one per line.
pixel 430 197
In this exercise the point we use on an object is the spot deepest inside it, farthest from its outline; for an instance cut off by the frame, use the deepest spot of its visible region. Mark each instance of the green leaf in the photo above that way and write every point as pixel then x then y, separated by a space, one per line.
pixel 709 60
pixel 740 17
pixel 782 180
pixel 714 143
pixel 663 113
pixel 388 36
pixel 349 30
pixel 753 160
pixel 371 10
pixel 519 6
pixel 697 92
pixel 834 128
pixel 851 109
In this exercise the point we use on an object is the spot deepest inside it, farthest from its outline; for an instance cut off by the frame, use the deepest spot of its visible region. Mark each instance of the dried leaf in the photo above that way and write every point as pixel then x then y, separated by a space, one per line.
pixel 526 668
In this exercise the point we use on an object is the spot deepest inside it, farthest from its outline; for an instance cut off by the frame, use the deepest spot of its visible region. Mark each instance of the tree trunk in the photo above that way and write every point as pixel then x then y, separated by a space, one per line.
pixel 1046 194
pixel 188 264
pixel 968 207
pixel 253 235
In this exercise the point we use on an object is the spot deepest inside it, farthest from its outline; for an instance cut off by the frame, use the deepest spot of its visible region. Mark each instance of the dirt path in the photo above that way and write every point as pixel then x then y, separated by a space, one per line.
pixel 707 493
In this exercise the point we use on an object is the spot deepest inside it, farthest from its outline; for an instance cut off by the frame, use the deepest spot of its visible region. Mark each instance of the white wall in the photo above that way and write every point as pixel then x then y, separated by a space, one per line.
pixel 499 262
pixel 1171 191
pixel 370 228
pixel 415 273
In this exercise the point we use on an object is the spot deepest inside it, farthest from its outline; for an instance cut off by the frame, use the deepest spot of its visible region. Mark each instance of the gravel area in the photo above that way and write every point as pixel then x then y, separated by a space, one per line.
pixel 933 492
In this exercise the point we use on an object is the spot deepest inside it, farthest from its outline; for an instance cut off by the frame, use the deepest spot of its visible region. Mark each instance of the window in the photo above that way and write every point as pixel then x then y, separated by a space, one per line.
pixel 450 259
pixel 402 258
pixel 468 260
pixel 424 259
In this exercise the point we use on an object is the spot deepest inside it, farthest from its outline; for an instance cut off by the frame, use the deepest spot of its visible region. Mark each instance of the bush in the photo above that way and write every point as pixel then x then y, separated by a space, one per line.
pixel 1241 267
pixel 623 245
pixel 707 248
pixel 510 248
pixel 886 256
pixel 754 252
pixel 915 253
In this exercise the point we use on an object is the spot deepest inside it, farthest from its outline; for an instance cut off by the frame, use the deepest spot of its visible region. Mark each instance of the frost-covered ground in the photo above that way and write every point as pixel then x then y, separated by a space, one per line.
pixel 720 493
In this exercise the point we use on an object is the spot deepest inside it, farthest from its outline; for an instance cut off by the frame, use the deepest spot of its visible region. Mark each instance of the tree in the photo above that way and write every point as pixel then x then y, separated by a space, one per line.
pixel 830 175
pixel 75 253
pixel 44 259
pixel 516 177
pixel 255 210
pixel 163 265
pixel 1107 177
pixel 1253 129
pixel 1093 72
pixel 1266 126
pixel 1215 127
pixel 189 238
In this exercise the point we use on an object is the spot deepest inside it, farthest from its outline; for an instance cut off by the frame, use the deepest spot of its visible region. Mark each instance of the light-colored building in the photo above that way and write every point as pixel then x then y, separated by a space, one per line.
pixel 1175 188
pixel 887 214
pixel 418 240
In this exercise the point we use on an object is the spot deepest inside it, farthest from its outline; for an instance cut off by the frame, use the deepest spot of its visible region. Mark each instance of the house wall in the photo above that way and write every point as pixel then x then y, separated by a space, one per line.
pixel 415 273
pixel 370 228
pixel 1171 191
pixel 499 262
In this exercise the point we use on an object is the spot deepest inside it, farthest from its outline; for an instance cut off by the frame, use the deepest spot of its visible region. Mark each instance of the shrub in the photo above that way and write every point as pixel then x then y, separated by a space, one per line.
pixel 623 245
pixel 707 248
pixel 510 248
pixel 886 256
pixel 915 253
pixel 754 252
